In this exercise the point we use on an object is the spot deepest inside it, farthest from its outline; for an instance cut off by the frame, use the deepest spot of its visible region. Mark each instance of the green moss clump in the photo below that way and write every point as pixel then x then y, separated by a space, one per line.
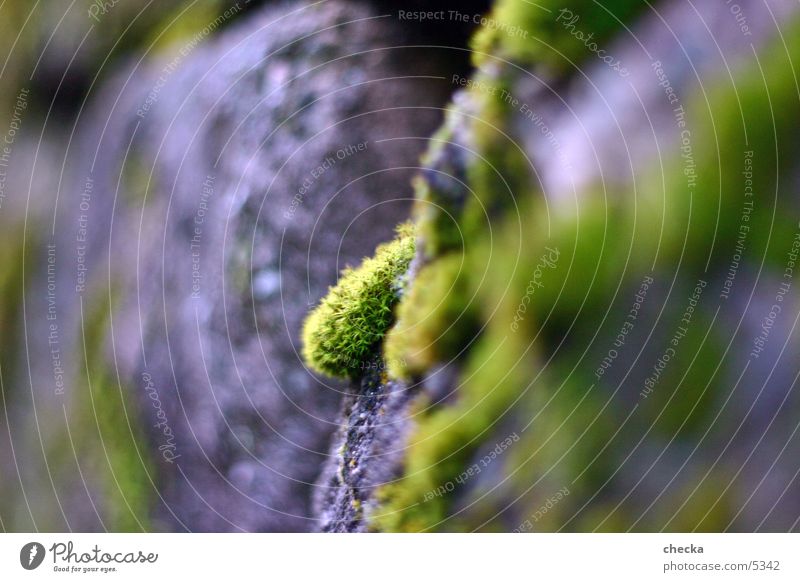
pixel 348 325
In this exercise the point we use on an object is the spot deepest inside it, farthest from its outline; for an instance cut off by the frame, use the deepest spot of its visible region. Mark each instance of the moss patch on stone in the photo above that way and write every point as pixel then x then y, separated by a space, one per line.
pixel 347 327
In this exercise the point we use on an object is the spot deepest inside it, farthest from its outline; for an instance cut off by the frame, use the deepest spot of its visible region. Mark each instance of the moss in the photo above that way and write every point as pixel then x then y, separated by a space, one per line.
pixel 181 23
pixel 441 193
pixel 345 330
pixel 476 170
pixel 434 321
pixel 446 438
pixel 497 366
pixel 482 244
pixel 535 33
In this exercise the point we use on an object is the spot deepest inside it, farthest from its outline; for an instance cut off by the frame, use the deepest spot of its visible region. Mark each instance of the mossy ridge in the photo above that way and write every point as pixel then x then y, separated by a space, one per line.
pixel 445 438
pixel 545 42
pixel 346 329
pixel 485 289
pixel 497 377
pixel 476 170
pixel 477 175
pixel 420 339
pixel 461 284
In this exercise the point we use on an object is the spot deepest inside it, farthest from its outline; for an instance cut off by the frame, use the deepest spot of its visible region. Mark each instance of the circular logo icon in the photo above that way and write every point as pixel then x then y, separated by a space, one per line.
pixel 31 555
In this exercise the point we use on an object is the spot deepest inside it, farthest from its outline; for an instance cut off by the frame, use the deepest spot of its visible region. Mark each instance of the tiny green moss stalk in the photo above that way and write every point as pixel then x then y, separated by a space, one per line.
pixel 348 325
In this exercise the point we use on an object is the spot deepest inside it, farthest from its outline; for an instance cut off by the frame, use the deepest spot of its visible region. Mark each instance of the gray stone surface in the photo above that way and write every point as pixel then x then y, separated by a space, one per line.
pixel 217 254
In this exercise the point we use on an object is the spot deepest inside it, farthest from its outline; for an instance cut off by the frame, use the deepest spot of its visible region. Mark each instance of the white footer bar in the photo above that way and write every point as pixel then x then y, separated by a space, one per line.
pixel 459 557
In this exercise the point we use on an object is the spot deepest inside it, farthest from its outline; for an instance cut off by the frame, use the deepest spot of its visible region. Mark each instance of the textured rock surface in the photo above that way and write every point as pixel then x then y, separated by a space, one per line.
pixel 365 454
pixel 272 101
pixel 221 186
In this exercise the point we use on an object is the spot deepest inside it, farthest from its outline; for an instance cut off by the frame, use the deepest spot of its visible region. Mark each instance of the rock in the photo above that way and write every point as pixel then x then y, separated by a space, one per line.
pixel 232 182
